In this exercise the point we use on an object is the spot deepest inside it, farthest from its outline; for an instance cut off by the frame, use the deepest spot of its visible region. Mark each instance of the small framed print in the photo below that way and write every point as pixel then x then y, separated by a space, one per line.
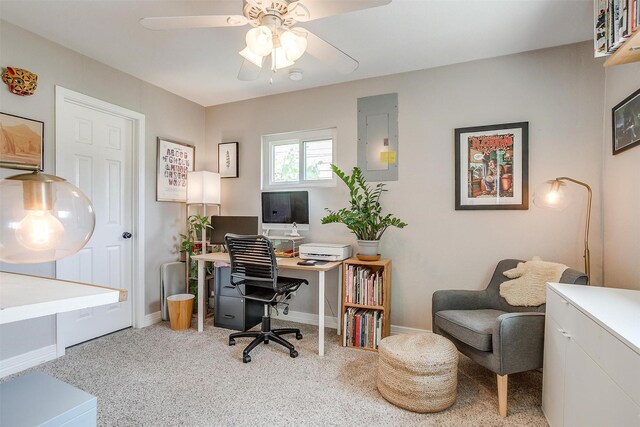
pixel 492 167
pixel 228 159
pixel 175 161
pixel 21 142
pixel 626 123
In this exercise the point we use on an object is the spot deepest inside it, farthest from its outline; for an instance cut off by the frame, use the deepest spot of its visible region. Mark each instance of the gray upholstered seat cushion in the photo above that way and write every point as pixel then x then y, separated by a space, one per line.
pixel 472 327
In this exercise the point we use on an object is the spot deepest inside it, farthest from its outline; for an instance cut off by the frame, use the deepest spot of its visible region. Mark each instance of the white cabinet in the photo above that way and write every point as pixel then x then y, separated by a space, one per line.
pixel 591 371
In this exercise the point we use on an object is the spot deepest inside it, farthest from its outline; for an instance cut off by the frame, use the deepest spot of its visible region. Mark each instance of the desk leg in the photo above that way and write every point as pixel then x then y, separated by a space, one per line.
pixel 321 313
pixel 340 278
pixel 201 313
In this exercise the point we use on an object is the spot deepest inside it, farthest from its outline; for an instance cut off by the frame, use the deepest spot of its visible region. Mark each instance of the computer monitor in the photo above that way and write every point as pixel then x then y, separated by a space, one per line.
pixel 280 209
pixel 231 224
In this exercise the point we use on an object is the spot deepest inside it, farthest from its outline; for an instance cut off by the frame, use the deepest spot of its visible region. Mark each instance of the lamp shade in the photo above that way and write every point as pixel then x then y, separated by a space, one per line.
pixel 552 195
pixel 253 57
pixel 203 188
pixel 279 59
pixel 43 218
pixel 293 44
pixel 259 40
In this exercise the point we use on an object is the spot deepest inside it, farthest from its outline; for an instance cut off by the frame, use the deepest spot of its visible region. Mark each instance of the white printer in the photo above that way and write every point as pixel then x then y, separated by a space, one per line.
pixel 325 251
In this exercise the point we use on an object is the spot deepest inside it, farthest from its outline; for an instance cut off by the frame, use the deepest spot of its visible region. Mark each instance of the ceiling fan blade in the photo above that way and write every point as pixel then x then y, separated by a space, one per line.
pixel 183 22
pixel 249 71
pixel 326 52
pixel 316 9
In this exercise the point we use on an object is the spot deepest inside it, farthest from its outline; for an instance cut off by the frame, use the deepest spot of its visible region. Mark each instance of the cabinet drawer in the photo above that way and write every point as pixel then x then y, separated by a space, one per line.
pixel 557 307
pixel 622 364
pixel 229 312
pixel 228 291
pixel 615 358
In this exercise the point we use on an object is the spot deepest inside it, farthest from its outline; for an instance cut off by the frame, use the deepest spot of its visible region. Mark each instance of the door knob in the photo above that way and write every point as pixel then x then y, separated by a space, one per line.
pixel 126 235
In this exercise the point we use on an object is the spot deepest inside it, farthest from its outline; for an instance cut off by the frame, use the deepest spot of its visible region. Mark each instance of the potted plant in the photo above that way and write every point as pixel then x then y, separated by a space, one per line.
pixel 364 216
pixel 191 244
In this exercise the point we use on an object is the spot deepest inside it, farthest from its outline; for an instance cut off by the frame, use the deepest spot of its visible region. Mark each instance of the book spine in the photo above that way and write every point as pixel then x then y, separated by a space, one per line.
pixel 600 36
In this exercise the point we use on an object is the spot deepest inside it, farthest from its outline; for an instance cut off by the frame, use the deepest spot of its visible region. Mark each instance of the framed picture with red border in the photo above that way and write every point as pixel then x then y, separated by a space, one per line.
pixel 492 167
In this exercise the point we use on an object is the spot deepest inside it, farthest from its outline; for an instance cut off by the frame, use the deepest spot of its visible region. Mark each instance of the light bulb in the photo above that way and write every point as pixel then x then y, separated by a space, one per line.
pixel 552 197
pixel 39 231
pixel 260 40
pixel 294 45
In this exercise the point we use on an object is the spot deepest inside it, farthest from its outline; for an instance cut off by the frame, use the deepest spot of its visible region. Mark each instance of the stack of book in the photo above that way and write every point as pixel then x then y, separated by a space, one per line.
pixel 363 286
pixel 615 22
pixel 362 328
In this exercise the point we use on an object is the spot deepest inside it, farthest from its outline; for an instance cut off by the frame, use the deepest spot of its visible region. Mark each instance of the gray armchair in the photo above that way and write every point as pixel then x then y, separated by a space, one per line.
pixel 503 338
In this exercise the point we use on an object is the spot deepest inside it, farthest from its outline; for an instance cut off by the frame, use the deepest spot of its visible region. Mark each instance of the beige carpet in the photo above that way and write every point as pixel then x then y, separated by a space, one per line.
pixel 159 377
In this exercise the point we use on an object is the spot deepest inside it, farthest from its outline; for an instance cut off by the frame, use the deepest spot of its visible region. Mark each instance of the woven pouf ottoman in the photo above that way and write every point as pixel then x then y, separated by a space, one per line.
pixel 418 372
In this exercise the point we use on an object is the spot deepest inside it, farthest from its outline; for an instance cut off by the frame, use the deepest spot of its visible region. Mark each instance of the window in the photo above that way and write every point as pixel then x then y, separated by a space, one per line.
pixel 298 159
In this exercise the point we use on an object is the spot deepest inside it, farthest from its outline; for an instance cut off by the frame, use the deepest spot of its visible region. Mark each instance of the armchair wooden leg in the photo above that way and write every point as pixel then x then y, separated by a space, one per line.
pixel 502 394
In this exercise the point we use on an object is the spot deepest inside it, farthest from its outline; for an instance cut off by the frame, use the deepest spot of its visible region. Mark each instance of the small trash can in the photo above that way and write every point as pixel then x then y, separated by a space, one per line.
pixel 180 310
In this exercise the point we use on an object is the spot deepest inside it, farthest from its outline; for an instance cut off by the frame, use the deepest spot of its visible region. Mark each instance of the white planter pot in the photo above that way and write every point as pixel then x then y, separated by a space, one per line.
pixel 368 247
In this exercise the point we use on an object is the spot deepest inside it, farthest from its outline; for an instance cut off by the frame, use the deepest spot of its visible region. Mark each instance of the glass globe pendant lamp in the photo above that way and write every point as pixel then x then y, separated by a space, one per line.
pixel 43 218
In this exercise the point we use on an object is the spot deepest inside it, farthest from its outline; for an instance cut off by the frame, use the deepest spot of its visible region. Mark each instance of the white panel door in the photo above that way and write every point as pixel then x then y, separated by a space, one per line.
pixel 94 152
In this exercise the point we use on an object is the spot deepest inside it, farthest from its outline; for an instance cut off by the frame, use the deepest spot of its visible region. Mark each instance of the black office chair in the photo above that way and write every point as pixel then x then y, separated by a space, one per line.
pixel 254 268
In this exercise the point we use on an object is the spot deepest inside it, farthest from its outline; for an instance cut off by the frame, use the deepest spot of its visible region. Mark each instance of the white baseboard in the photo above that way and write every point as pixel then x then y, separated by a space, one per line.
pixel 27 360
pixel 332 322
pixel 397 330
pixel 151 319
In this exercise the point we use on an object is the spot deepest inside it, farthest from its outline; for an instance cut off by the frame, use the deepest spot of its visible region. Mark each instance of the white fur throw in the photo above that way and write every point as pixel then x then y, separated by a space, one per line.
pixel 529 285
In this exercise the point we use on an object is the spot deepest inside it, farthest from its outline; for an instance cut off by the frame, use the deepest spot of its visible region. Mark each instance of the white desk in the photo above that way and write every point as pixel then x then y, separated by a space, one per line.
pixel 283 263
pixel 25 297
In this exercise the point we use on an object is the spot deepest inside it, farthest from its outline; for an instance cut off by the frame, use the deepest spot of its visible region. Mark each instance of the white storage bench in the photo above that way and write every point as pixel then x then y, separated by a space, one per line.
pixel 37 399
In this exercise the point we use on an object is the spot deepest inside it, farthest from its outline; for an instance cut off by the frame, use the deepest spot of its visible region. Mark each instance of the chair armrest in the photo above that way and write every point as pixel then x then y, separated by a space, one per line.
pixel 518 341
pixel 449 299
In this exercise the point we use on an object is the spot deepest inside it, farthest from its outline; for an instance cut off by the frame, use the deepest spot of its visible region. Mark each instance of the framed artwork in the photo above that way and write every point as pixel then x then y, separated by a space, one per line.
pixel 228 159
pixel 175 160
pixel 492 167
pixel 626 123
pixel 21 142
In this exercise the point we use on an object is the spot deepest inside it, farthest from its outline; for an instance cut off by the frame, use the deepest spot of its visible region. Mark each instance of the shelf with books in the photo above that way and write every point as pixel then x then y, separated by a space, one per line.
pixel 617 31
pixel 628 52
pixel 366 303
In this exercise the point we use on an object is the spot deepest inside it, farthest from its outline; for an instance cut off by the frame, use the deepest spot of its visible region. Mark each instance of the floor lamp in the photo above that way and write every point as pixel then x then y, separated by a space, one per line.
pixel 203 188
pixel 554 197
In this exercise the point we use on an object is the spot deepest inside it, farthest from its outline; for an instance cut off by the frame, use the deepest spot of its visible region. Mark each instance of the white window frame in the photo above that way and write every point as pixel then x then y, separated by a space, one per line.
pixel 299 137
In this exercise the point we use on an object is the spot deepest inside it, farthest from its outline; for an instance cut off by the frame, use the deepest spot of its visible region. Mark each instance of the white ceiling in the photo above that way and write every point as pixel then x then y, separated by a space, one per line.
pixel 202 64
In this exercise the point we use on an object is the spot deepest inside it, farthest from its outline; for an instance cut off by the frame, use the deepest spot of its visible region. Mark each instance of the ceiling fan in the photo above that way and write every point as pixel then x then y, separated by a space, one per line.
pixel 274 32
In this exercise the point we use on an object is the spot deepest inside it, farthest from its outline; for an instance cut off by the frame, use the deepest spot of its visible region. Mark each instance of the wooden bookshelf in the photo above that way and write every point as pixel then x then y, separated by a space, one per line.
pixel 383 268
pixel 628 52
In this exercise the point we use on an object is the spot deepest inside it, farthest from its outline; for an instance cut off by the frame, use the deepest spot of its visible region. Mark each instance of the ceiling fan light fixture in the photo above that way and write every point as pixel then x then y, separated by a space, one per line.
pixel 279 59
pixel 251 57
pixel 293 44
pixel 260 40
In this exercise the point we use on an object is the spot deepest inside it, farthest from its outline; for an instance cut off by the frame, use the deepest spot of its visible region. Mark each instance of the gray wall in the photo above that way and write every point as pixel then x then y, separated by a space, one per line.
pixel 559 91
pixel 621 192
pixel 166 114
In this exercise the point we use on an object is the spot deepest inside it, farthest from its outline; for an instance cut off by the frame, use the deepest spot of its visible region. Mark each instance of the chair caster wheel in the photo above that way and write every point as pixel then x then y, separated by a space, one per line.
pixel 232 342
pixel 265 342
pixel 293 354
pixel 246 359
pixel 298 336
